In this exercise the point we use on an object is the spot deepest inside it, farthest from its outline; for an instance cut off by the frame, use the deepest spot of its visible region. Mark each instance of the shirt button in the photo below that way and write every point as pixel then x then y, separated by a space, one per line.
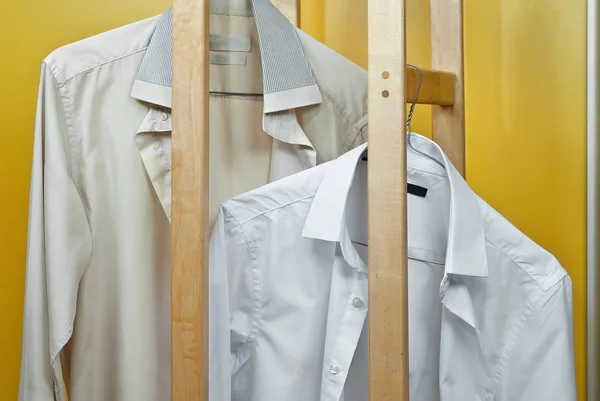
pixel 357 302
pixel 334 369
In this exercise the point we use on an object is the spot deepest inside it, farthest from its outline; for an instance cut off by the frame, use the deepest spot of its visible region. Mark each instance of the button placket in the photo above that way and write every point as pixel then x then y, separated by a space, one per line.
pixel 157 167
pixel 154 157
pixel 342 350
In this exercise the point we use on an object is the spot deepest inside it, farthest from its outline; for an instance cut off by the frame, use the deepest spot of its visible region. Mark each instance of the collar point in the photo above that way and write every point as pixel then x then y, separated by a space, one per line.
pixel 311 231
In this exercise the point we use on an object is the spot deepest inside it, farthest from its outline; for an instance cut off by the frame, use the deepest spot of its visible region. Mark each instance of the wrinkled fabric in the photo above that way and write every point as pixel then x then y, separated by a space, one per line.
pixel 97 305
pixel 490 311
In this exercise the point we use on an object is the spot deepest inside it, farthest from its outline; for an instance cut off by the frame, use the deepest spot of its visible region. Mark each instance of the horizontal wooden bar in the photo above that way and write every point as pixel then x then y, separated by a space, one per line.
pixel 438 87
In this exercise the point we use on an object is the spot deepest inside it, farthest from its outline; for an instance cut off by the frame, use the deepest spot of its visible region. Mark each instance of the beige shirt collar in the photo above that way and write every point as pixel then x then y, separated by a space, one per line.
pixel 288 81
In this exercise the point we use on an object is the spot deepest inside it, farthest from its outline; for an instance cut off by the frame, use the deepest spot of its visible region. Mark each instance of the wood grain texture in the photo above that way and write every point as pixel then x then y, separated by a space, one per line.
pixel 437 88
pixel 289 8
pixel 189 217
pixel 388 300
pixel 447 55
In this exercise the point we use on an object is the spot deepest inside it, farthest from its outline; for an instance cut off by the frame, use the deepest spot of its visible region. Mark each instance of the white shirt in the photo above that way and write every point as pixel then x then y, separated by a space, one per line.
pixel 490 312
pixel 97 308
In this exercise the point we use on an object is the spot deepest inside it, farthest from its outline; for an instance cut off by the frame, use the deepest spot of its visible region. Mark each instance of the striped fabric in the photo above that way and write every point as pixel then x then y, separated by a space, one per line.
pixel 156 65
pixel 284 64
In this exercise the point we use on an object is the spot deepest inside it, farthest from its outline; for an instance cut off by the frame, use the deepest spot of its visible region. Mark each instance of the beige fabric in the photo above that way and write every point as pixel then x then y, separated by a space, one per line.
pixel 98 263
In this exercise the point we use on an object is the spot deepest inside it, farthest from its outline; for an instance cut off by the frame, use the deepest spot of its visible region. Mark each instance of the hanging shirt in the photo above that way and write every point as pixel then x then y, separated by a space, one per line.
pixel 97 306
pixel 490 311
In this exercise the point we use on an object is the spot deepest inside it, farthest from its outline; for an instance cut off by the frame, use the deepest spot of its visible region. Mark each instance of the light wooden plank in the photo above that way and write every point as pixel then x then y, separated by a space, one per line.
pixel 289 8
pixel 189 297
pixel 388 300
pixel 447 55
pixel 438 87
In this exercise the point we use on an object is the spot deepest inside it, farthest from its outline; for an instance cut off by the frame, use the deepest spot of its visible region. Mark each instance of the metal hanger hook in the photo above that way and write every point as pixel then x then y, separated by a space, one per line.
pixel 410 116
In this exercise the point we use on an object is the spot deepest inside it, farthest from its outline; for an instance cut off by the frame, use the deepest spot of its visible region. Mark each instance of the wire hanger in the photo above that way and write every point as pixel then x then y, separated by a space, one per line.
pixel 409 119
pixel 410 116
pixel 409 130
pixel 221 93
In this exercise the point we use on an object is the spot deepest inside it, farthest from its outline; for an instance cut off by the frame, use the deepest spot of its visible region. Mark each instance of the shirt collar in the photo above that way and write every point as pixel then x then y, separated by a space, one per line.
pixel 288 81
pixel 466 248
pixel 326 218
pixel 465 253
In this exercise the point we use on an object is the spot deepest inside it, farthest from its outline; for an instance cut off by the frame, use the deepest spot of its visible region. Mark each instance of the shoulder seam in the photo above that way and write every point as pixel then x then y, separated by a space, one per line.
pixel 525 316
pixel 258 303
pixel 273 208
pixel 73 164
pixel 231 214
pixel 337 106
pixel 514 334
pixel 88 69
pixel 357 134
pixel 514 261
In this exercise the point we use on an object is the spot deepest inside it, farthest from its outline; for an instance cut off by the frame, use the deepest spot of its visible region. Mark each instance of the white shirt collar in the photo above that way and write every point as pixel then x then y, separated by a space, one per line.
pixel 465 253
pixel 288 81
pixel 466 248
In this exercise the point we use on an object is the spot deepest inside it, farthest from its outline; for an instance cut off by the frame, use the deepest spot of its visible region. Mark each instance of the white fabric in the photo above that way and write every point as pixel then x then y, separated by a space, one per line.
pixel 490 312
pixel 97 305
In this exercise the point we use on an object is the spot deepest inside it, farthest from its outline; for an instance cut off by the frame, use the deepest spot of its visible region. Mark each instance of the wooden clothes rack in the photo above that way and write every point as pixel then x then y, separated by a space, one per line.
pixel 390 85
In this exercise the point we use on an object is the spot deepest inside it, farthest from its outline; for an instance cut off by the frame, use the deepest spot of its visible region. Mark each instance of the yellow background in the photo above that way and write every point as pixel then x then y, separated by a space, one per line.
pixel 525 111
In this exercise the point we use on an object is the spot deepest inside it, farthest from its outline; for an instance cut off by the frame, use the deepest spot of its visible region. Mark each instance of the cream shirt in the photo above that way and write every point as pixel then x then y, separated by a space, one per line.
pixel 97 307
pixel 490 311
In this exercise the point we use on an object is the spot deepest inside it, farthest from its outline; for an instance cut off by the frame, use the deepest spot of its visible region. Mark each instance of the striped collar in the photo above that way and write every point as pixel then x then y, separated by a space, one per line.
pixel 288 81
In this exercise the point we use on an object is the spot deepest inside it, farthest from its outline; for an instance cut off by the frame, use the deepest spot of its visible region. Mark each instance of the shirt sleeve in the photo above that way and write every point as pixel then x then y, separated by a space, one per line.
pixel 233 304
pixel 58 250
pixel 219 338
pixel 542 365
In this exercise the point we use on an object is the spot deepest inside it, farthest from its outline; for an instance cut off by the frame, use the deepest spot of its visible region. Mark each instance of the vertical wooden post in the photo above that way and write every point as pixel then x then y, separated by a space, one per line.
pixel 447 55
pixel 388 293
pixel 189 286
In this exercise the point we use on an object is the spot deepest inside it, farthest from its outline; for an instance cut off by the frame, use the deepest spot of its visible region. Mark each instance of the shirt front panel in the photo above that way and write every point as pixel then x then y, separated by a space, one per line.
pixel 121 333
pixel 428 232
pixel 329 297
pixel 295 294
pixel 118 150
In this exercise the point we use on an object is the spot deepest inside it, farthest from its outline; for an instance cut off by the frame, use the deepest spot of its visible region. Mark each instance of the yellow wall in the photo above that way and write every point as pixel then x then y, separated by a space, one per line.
pixel 525 112
pixel 29 30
